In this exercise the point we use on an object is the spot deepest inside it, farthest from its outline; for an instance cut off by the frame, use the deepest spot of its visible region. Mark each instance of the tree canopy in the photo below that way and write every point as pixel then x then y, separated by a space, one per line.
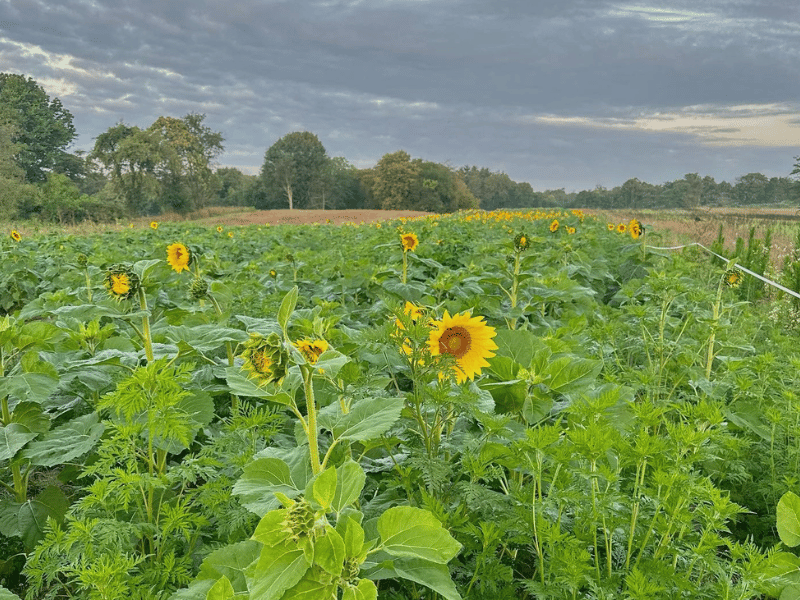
pixel 42 128
pixel 291 168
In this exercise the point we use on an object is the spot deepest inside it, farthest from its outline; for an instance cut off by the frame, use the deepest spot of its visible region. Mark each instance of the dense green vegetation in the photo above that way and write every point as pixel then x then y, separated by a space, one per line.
pixel 501 405
pixel 169 167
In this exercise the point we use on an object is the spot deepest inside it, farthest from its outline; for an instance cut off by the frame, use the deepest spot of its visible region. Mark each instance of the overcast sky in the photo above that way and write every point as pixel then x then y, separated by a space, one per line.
pixel 559 93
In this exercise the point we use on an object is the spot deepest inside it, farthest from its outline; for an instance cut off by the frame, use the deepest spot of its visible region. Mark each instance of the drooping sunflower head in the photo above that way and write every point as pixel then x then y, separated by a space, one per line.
pixel 311 349
pixel 15 235
pixel 733 277
pixel 179 257
pixel 154 225
pixel 521 242
pixel 466 338
pixel 121 282
pixel 621 228
pixel 635 228
pixel 554 225
pixel 265 358
pixel 409 241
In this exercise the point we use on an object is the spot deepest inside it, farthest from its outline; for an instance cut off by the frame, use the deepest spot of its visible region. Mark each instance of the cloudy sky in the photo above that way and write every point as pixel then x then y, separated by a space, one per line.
pixel 559 93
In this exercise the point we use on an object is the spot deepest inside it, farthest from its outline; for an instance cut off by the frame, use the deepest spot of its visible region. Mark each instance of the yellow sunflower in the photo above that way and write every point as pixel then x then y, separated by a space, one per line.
pixel 179 257
pixel 311 349
pixel 554 225
pixel 521 242
pixel 265 358
pixel 610 226
pixel 219 228
pixel 733 277
pixel 121 282
pixel 15 235
pixel 467 338
pixel 153 225
pixel 570 230
pixel 230 234
pixel 621 228
pixel 413 311
pixel 409 241
pixel 635 229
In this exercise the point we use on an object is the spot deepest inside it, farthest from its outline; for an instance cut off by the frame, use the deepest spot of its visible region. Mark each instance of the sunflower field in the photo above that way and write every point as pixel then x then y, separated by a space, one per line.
pixel 504 405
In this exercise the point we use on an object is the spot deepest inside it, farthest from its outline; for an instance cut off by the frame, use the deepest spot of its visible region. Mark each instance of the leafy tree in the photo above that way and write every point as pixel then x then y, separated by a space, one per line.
pixel 396 181
pixel 43 128
pixel 13 188
pixel 291 168
pixel 751 188
pixel 233 186
pixel 337 186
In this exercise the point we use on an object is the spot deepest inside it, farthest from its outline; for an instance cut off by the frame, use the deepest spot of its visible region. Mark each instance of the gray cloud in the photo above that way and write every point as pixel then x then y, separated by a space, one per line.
pixel 446 80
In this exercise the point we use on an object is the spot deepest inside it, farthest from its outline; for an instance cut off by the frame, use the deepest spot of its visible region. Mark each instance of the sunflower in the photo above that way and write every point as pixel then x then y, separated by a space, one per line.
pixel 265 358
pixel 521 242
pixel 467 338
pixel 219 228
pixel 230 234
pixel 733 278
pixel 610 226
pixel 121 282
pixel 153 225
pixel 413 311
pixel 311 349
pixel 273 273
pixel 409 241
pixel 621 228
pixel 570 230
pixel 635 229
pixel 179 257
pixel 15 235
pixel 554 225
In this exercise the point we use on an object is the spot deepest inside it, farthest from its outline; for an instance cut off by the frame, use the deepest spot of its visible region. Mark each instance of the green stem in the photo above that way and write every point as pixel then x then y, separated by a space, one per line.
pixel 148 342
pixel 715 321
pixel 311 410
pixel 405 265
pixel 218 310
pixel 88 285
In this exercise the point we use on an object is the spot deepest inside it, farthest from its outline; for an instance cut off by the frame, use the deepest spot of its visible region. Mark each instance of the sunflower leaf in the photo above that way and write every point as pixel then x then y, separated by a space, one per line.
pixel 287 308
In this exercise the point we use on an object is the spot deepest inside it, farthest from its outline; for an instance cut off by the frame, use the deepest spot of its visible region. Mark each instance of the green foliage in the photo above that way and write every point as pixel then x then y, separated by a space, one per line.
pixel 42 128
pixel 291 169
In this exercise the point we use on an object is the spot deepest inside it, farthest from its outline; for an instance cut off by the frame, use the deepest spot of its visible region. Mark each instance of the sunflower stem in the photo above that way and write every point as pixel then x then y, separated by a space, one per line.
pixel 405 265
pixel 714 322
pixel 218 310
pixel 88 284
pixel 148 342
pixel 311 410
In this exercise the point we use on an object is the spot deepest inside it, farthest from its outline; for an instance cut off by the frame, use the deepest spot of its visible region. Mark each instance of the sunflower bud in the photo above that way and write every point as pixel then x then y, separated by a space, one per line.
pixel 121 282
pixel 521 242
pixel 265 358
pixel 198 289
pixel 82 260
pixel 300 519
pixel 733 278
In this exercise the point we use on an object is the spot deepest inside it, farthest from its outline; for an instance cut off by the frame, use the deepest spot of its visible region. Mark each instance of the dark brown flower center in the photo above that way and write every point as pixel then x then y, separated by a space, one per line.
pixel 456 341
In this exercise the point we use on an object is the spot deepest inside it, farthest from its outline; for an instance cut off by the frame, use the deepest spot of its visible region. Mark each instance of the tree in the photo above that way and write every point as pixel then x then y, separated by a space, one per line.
pixel 43 128
pixel 795 174
pixel 290 170
pixel 751 188
pixel 13 188
pixel 396 181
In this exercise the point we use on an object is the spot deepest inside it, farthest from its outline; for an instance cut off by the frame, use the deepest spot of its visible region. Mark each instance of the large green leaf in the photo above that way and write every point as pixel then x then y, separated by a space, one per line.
pixel 568 372
pixel 240 385
pixel 31 415
pixel 323 488
pixel 310 588
pixel 67 442
pixel 278 568
pixel 788 515
pixel 231 562
pixel 349 483
pixel 9 518
pixel 516 344
pixel 12 438
pixel 34 387
pixel 221 590
pixel 368 419
pixel 433 575
pixel 261 479
pixel 287 307
pixel 33 514
pixel 197 590
pixel 205 338
pixel 365 590
pixel 407 531
pixel 7 595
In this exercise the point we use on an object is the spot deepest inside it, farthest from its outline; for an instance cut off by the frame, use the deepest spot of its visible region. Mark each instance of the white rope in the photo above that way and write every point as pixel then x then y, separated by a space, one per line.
pixel 737 265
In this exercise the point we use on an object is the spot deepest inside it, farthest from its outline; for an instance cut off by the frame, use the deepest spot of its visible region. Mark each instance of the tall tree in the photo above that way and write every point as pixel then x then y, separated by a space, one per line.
pixel 292 165
pixel 396 181
pixel 43 128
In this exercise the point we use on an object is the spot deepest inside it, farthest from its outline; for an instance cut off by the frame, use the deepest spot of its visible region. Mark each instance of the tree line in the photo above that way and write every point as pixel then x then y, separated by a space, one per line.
pixel 170 166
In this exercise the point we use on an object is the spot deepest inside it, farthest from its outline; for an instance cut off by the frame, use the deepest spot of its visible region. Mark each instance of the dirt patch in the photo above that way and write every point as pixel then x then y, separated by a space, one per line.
pixel 239 217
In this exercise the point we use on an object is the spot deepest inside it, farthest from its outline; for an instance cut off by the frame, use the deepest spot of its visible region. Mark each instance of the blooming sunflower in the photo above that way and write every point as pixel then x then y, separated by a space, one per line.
pixel 121 282
pixel 635 229
pixel 733 278
pixel 219 228
pixel 273 273
pixel 153 225
pixel 467 338
pixel 15 235
pixel 570 230
pixel 230 234
pixel 521 242
pixel 311 349
pixel 179 257
pixel 610 226
pixel 621 228
pixel 409 241
pixel 554 225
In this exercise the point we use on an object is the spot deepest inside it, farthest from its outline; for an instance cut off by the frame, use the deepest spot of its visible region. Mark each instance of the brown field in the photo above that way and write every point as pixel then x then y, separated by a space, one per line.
pixel 231 217
pixel 673 227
